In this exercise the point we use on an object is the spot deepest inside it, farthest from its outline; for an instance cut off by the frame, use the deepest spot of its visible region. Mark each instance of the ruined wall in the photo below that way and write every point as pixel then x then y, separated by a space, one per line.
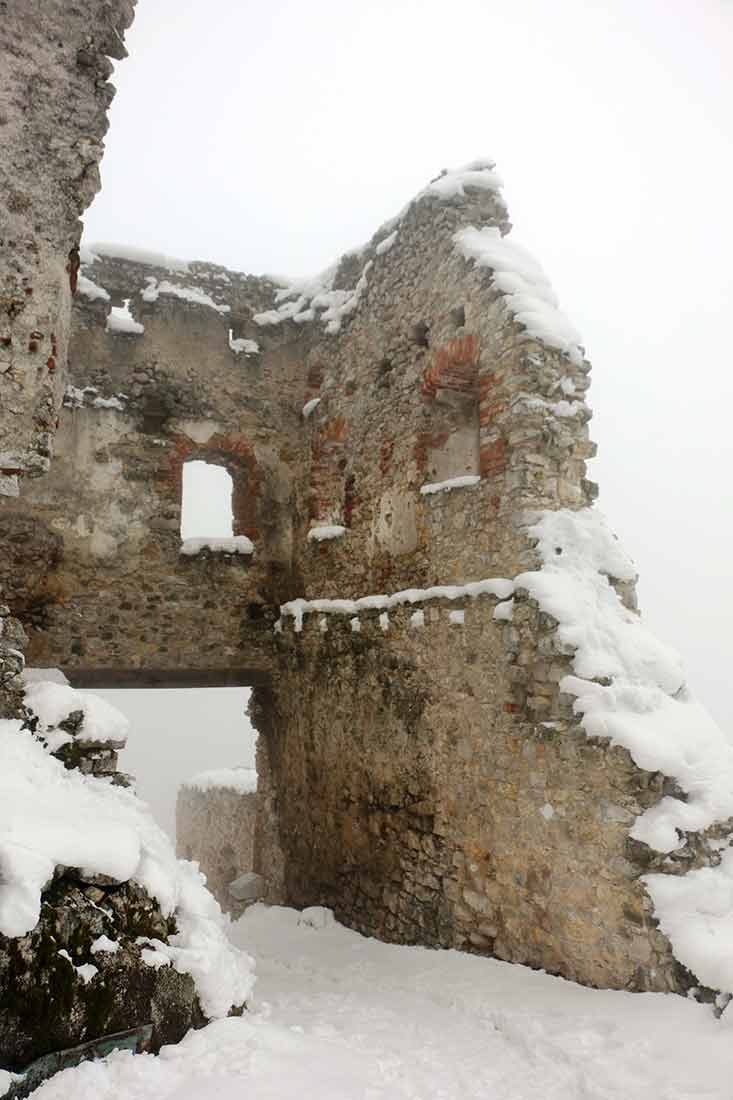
pixel 215 825
pixel 432 380
pixel 54 97
pixel 117 595
pixel 399 423
pixel 425 806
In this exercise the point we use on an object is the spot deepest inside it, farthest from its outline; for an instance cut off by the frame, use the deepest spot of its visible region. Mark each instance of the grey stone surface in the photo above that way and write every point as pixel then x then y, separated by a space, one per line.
pixel 248 887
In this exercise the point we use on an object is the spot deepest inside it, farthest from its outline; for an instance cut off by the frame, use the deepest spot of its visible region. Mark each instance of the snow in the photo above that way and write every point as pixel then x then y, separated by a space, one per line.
pixel 53 675
pixel 456 618
pixel 88 397
pixel 323 534
pixel 648 709
pixel 310 406
pixel 417 619
pixel 338 1016
pixel 300 300
pixel 504 611
pixel 386 244
pixel 134 255
pixel 104 944
pixel 384 622
pixel 90 290
pixel 86 972
pixel 7 1079
pixel 242 344
pixel 355 625
pixel 528 295
pixel 462 482
pixel 479 174
pixel 241 780
pixel 120 320
pixel 492 586
pixel 238 544
pixel 52 702
pixel 192 294
pixel 51 816
pixel 108 403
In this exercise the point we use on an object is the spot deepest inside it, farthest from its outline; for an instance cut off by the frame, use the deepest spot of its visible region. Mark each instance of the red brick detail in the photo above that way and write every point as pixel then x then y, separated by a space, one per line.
pixel 492 458
pixel 327 468
pixel 385 455
pixel 454 367
pixel 237 456
pixel 424 444
pixel 489 410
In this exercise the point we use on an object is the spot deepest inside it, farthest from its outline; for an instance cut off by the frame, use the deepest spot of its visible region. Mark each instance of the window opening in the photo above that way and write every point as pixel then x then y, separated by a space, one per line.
pixel 206 505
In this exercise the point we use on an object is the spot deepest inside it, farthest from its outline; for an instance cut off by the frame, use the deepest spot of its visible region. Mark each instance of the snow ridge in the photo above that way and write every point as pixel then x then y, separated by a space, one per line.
pixel 648 709
pixel 315 298
pixel 527 291
pixel 297 609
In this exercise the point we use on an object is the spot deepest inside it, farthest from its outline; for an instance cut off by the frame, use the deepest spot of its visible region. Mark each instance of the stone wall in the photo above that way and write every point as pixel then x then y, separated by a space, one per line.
pixel 54 97
pixel 116 597
pixel 425 806
pixel 216 827
pixel 420 769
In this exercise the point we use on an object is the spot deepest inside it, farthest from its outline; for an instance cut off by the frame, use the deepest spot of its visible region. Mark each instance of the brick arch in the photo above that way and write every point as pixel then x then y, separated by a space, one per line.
pixel 237 457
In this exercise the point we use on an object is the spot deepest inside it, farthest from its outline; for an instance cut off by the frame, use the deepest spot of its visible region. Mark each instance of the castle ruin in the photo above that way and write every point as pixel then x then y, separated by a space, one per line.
pixel 449 677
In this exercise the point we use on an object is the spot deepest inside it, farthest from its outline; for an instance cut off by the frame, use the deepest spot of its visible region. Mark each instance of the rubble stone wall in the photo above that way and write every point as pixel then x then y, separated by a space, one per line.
pixel 425 806
pixel 216 827
pixel 116 595
pixel 54 96
pixel 427 779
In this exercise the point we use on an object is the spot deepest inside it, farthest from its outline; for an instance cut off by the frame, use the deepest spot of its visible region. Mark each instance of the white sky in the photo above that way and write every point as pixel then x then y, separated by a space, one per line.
pixel 177 734
pixel 206 506
pixel 272 137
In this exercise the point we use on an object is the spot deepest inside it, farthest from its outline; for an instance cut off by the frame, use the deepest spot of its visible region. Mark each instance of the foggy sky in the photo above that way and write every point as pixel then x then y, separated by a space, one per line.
pixel 272 137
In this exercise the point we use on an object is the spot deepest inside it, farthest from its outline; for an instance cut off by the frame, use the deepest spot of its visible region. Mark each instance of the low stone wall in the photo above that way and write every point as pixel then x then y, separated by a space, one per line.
pixel 216 827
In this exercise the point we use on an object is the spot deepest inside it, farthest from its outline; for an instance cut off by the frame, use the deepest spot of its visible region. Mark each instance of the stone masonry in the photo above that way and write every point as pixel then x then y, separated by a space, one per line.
pixel 430 783
pixel 216 827
pixel 420 769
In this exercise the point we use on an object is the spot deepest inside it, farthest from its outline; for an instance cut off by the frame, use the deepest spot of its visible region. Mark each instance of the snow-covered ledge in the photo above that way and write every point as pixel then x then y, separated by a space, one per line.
pixel 323 534
pixel 239 544
pixel 464 482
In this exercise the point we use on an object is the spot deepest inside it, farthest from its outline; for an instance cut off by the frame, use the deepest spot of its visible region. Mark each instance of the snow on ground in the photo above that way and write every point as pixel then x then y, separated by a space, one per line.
pixel 336 1016
pixel 51 816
